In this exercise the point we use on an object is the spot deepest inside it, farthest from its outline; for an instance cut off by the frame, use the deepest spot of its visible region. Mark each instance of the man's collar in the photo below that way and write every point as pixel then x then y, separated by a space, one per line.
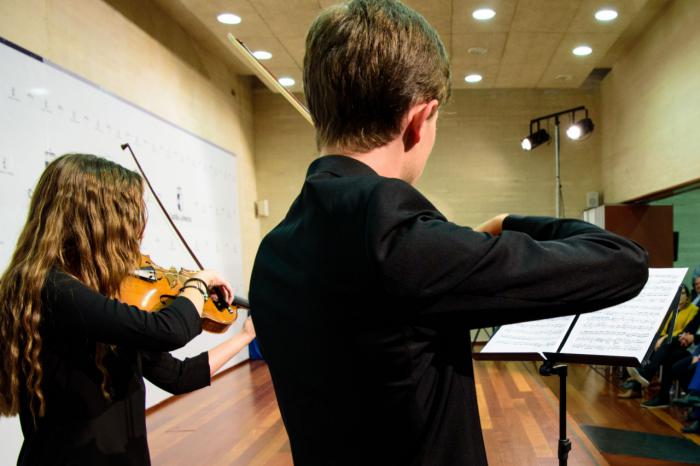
pixel 339 165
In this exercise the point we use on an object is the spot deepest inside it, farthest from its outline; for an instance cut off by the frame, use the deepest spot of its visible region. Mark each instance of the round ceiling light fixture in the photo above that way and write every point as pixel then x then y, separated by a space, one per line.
pixel 262 55
pixel 473 78
pixel 228 18
pixel 483 14
pixel 582 50
pixel 605 14
pixel 286 81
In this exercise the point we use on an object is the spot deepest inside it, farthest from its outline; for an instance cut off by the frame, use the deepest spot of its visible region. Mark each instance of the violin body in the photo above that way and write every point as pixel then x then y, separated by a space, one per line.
pixel 151 288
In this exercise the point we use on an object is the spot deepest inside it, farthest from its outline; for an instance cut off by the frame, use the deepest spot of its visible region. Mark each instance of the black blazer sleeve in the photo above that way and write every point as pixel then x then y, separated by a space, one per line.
pixel 174 375
pixel 80 312
pixel 538 267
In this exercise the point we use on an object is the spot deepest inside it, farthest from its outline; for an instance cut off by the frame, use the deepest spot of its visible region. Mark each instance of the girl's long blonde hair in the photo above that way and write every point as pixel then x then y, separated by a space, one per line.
pixel 86 218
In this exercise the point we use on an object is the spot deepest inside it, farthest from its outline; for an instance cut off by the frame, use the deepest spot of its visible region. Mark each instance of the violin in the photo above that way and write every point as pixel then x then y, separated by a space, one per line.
pixel 151 288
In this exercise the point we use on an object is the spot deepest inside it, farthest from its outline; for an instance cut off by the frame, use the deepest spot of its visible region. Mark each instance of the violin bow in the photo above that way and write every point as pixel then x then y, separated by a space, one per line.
pixel 221 303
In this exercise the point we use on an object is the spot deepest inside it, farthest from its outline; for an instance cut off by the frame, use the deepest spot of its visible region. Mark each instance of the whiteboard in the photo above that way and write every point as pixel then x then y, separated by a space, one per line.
pixel 46 111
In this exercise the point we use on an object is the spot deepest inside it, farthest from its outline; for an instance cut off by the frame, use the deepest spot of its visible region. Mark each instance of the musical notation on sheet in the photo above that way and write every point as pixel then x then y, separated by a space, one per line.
pixel 627 329
pixel 538 336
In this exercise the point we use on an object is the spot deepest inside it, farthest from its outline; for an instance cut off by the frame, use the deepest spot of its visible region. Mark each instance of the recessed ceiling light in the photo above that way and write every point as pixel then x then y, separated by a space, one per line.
pixel 582 50
pixel 473 78
pixel 563 77
pixel 287 81
pixel 483 14
pixel 228 18
pixel 606 15
pixel 262 55
pixel 477 51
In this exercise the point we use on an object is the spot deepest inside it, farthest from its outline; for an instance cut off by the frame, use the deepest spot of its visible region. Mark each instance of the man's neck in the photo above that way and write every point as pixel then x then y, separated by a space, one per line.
pixel 386 160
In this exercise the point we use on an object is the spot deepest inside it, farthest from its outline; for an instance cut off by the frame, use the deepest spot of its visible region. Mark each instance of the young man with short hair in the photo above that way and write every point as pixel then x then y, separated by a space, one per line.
pixel 364 295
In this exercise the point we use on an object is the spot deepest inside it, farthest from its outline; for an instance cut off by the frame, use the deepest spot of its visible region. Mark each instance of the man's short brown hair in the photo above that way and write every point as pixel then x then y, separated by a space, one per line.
pixel 367 62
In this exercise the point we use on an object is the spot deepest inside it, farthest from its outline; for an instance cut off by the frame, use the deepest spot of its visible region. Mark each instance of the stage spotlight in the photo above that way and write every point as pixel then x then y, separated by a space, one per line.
pixel 535 139
pixel 581 129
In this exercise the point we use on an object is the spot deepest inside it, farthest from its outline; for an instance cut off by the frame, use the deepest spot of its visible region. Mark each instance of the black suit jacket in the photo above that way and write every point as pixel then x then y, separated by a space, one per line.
pixel 363 297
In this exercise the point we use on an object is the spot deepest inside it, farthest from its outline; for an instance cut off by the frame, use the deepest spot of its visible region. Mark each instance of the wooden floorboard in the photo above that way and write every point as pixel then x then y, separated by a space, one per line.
pixel 236 421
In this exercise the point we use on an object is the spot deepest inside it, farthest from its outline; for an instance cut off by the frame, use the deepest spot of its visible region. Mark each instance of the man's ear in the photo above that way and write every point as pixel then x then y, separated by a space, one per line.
pixel 417 117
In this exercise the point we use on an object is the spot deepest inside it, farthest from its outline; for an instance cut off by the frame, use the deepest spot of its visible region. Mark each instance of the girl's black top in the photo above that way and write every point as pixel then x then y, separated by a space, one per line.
pixel 81 426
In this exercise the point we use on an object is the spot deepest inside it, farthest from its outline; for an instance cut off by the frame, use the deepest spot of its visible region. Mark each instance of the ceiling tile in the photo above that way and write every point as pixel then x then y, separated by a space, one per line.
pixel 529 42
pixel 544 15
pixel 531 48
pixel 564 76
pixel 269 8
pixel 463 23
pixel 585 21
pixel 290 23
pixel 280 55
pixel 493 43
pixel 438 13
pixel 488 72
pixel 519 75
pixel 600 43
pixel 211 8
pixel 293 72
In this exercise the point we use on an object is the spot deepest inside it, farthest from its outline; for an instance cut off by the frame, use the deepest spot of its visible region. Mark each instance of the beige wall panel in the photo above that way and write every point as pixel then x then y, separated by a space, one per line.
pixel 477 168
pixel 650 107
pixel 134 50
pixel 17 15
pixel 284 147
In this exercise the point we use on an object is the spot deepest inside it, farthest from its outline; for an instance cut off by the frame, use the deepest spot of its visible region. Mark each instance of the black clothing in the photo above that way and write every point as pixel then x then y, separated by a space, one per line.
pixel 666 356
pixel 363 297
pixel 81 426
pixel 693 325
pixel 683 371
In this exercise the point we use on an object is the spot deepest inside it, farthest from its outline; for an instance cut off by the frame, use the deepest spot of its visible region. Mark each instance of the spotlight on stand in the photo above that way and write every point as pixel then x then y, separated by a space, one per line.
pixel 538 135
pixel 535 139
pixel 581 129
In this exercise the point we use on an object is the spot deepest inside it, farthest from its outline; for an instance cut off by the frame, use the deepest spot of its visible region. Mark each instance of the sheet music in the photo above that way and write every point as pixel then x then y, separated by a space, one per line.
pixel 627 329
pixel 538 336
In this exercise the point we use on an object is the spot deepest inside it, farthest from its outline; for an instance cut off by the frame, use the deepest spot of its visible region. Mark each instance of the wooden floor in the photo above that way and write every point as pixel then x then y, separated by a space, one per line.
pixel 236 421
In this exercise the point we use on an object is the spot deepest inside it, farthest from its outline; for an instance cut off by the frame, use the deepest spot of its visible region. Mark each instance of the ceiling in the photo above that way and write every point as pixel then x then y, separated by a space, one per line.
pixel 528 43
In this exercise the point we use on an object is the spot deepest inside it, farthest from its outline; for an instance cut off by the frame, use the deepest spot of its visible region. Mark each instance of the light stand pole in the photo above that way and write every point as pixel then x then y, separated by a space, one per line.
pixel 557 168
pixel 539 135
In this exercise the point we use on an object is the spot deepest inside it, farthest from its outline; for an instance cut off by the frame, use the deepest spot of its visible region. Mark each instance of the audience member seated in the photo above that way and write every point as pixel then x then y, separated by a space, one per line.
pixel 692 400
pixel 667 354
pixel 695 294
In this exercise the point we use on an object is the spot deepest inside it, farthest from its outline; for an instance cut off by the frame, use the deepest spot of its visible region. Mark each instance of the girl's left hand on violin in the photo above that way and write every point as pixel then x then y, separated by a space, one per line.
pixel 215 280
